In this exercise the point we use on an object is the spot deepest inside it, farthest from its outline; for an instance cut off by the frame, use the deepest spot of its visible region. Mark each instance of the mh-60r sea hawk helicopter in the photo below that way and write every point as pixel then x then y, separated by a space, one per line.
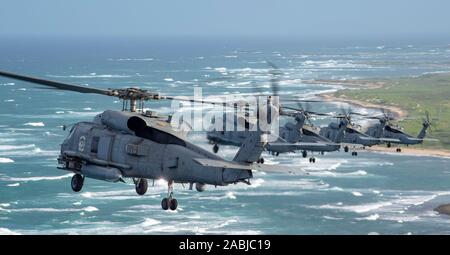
pixel 141 146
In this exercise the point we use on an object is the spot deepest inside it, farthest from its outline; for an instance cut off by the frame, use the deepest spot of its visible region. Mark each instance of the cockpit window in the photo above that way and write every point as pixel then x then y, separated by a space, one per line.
pixel 94 144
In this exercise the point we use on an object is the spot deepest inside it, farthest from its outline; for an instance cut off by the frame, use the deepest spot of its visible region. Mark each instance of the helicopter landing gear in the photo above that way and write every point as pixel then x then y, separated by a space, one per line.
pixel 215 148
pixel 312 160
pixel 261 161
pixel 304 154
pixel 141 186
pixel 77 182
pixel 398 150
pixel 346 149
pixel 169 201
pixel 354 153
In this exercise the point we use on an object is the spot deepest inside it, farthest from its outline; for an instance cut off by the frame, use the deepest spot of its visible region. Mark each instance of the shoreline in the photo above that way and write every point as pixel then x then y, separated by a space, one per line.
pixel 397 111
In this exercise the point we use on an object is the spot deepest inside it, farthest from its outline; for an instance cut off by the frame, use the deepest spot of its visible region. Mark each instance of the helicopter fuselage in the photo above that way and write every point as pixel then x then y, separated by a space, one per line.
pixel 108 152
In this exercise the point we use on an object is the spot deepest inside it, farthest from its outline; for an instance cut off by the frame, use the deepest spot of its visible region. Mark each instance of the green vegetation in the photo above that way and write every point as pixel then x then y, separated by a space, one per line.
pixel 415 95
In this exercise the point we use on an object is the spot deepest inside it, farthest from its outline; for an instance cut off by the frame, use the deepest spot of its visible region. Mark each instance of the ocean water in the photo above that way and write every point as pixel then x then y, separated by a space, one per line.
pixel 384 193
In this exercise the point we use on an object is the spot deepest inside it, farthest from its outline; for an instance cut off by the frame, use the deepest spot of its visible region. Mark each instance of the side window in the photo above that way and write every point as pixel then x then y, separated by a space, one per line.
pixel 94 144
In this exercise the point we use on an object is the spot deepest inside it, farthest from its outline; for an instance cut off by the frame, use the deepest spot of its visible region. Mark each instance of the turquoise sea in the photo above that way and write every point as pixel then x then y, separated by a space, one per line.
pixel 374 193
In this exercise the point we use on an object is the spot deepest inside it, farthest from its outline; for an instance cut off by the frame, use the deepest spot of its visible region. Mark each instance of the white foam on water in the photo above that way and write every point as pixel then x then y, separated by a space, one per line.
pixel 90 209
pixel 357 194
pixel 9 100
pixel 35 124
pixel 54 210
pixel 87 109
pixel 5 231
pixel 13 184
pixel 33 179
pixel 220 69
pixel 6 160
pixel 16 147
pixel 372 217
pixel 150 222
pixel 91 75
pixel 168 79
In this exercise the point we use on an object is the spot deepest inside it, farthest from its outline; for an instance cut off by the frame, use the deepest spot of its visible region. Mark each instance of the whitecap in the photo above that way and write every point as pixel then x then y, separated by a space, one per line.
pixel 5 231
pixel 90 209
pixel 6 160
pixel 14 184
pixel 357 194
pixel 150 222
pixel 37 178
pixel 34 124
pixel 9 100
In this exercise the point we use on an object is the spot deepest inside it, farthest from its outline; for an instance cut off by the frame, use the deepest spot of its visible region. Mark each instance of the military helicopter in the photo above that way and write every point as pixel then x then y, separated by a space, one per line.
pixel 141 145
pixel 287 141
pixel 349 134
pixel 394 134
pixel 289 138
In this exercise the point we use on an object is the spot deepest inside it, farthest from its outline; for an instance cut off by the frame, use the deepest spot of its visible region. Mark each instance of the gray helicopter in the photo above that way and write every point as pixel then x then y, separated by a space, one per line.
pixel 288 140
pixel 141 145
pixel 350 135
pixel 384 129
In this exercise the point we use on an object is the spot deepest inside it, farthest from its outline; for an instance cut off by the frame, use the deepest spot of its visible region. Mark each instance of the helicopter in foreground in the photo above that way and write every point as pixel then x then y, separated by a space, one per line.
pixel 141 145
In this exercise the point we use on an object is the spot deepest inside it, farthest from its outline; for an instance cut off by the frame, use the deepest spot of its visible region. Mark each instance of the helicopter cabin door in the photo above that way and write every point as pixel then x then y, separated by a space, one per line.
pixel 104 147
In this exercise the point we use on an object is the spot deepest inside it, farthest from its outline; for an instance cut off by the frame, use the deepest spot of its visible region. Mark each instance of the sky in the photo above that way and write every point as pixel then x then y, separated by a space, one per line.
pixel 227 18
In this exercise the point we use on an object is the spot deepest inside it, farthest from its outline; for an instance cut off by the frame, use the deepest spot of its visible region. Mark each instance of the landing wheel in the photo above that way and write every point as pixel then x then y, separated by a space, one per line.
pixel 165 203
pixel 77 182
pixel 261 161
pixel 173 204
pixel 277 154
pixel 169 201
pixel 388 145
pixel 399 150
pixel 346 149
pixel 304 154
pixel 141 186
pixel 215 148
pixel 314 160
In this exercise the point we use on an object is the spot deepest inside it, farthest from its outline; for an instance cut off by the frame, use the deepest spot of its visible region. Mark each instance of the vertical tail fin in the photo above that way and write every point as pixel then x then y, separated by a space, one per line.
pixel 341 132
pixel 423 132
pixel 251 149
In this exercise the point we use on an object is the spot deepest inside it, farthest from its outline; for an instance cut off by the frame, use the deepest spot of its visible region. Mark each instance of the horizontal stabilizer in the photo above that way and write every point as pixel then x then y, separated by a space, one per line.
pixel 386 140
pixel 253 166
pixel 317 146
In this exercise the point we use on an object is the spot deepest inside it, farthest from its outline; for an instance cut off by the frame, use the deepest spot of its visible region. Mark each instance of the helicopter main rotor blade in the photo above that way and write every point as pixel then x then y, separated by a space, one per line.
pixel 56 84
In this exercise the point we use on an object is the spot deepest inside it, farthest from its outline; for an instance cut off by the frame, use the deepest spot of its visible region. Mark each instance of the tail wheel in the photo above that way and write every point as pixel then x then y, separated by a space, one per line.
pixel 77 182
pixel 141 186
pixel 346 148
pixel 304 154
pixel 215 148
pixel 165 203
